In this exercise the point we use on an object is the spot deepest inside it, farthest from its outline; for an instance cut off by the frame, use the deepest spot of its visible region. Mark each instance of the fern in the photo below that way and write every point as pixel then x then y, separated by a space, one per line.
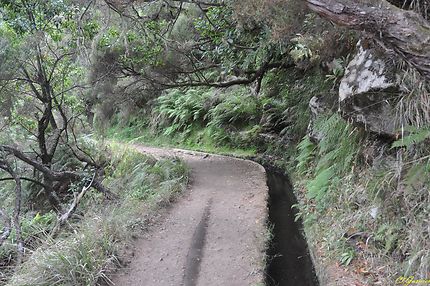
pixel 340 144
pixel 388 235
pixel 177 111
pixel 306 153
pixel 320 184
pixel 235 109
pixel 415 136
pixel 336 154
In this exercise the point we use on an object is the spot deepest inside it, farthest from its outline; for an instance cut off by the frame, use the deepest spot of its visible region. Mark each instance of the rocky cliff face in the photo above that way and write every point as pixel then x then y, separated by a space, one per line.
pixel 367 97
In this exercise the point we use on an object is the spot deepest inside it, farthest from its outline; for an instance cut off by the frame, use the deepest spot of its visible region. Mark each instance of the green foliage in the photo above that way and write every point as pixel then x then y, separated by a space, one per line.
pixel 337 69
pixel 319 186
pixel 386 202
pixel 33 230
pixel 347 257
pixel 286 102
pixel 336 155
pixel 228 119
pixel 339 145
pixel 77 260
pixel 301 50
pixel 39 224
pixel 137 48
pixel 306 150
pixel 414 136
pixel 298 214
pixel 224 41
pixel 109 38
pixel 84 256
pixel 214 24
pixel 229 43
pixel 178 110
pixel 14 12
pixel 120 130
pixel 140 176
pixel 236 109
pixel 276 114
pixel 223 119
pixel 388 235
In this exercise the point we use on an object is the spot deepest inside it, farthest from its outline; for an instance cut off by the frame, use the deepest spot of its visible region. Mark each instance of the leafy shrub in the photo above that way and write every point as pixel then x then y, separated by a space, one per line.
pixel 320 184
pixel 339 145
pixel 304 48
pixel 236 109
pixel 37 226
pixel 337 153
pixel 414 136
pixel 286 102
pixel 277 115
pixel 306 150
pixel 388 235
pixel 85 255
pixel 177 110
pixel 228 118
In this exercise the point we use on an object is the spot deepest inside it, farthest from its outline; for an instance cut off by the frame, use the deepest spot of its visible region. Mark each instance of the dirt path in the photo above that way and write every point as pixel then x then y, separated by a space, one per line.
pixel 213 236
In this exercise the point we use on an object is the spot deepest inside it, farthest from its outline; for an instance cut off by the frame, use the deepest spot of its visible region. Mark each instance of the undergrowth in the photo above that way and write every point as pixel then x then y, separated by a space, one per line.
pixel 362 215
pixel 227 121
pixel 93 244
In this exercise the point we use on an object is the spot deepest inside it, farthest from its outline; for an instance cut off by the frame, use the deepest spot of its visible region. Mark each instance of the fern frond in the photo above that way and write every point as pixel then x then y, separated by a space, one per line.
pixel 415 136
pixel 306 153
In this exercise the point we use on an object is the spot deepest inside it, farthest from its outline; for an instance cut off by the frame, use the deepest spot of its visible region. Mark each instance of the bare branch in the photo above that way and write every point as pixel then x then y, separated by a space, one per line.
pixel 55 176
pixel 25 179
pixel 6 228
pixel 17 210
pixel 72 208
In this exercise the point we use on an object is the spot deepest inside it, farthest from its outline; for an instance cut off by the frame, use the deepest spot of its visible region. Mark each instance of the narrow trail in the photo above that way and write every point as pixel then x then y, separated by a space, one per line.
pixel 213 235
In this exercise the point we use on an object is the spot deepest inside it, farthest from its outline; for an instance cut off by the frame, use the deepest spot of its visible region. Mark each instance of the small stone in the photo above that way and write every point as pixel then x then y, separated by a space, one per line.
pixel 374 212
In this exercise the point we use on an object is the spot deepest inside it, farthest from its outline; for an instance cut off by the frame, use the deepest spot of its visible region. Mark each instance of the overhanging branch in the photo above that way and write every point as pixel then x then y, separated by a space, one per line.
pixel 406 32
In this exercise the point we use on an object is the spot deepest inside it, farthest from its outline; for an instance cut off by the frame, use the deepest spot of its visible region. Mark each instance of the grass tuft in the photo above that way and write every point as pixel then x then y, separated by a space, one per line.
pixel 94 244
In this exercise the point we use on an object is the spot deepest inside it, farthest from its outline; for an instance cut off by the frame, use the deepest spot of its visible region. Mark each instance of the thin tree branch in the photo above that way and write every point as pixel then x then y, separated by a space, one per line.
pixel 72 208
pixel 17 210
pixel 6 228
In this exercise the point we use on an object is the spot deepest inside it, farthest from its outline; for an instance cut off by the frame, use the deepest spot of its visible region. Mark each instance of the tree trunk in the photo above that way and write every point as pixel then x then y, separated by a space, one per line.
pixel 406 32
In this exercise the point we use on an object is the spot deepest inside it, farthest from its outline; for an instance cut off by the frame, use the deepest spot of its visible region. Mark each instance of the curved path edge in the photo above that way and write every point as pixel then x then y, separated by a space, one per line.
pixel 214 234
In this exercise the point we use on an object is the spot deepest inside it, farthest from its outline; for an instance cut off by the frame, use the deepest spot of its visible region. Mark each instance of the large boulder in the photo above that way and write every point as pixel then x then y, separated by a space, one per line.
pixel 368 91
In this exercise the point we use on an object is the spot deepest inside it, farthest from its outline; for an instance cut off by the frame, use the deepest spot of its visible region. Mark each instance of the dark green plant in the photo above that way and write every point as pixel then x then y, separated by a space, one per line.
pixel 306 153
pixel 347 257
pixel 414 136
pixel 177 110
pixel 237 109
pixel 336 155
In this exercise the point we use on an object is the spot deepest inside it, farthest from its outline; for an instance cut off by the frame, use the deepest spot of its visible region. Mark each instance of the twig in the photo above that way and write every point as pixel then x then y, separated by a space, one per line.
pixel 72 208
pixel 4 165
pixel 6 229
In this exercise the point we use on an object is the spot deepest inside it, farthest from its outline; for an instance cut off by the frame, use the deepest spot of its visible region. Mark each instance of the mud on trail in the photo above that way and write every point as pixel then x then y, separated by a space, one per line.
pixel 213 235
